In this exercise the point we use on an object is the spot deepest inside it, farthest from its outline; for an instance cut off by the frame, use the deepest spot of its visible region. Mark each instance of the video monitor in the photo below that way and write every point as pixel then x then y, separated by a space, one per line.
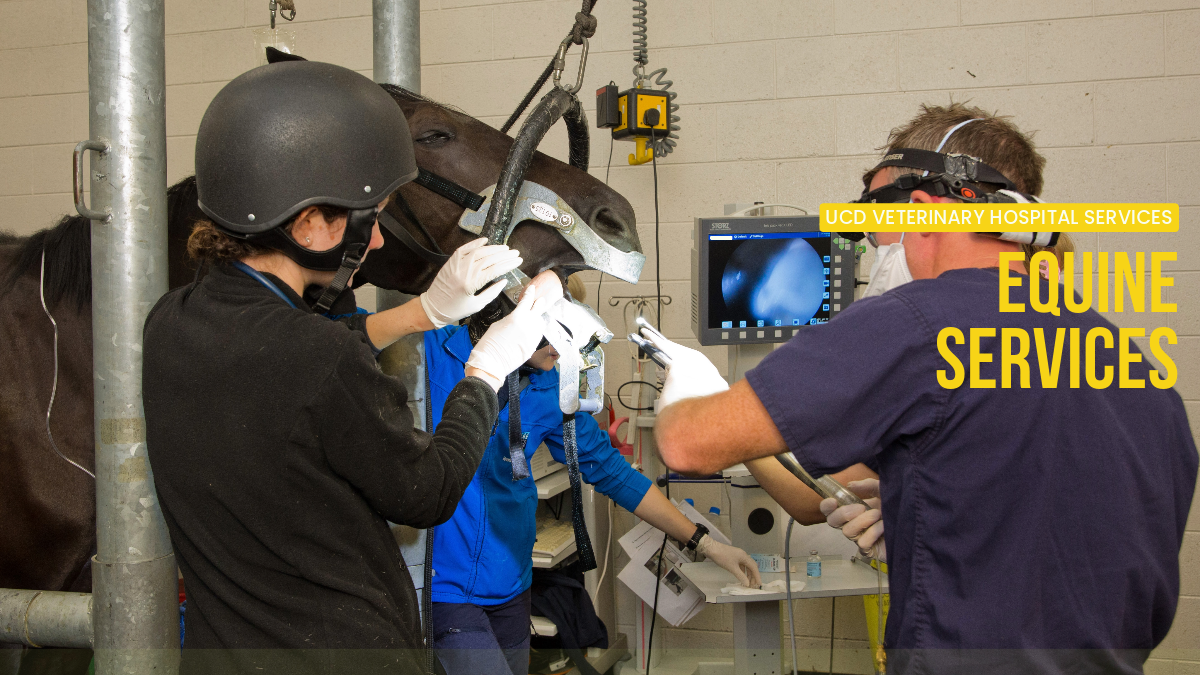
pixel 757 280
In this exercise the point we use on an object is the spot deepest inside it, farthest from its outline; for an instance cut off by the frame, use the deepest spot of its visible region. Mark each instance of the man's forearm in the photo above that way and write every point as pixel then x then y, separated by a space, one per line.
pixel 794 496
pixel 706 434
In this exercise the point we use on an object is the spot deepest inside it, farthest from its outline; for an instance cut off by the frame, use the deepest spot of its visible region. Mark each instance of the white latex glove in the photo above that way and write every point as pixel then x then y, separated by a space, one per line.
pixel 452 295
pixel 861 526
pixel 512 340
pixel 733 559
pixel 691 374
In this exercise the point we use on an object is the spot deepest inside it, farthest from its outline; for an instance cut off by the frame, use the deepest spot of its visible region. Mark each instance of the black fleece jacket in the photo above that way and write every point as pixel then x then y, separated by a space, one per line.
pixel 279 450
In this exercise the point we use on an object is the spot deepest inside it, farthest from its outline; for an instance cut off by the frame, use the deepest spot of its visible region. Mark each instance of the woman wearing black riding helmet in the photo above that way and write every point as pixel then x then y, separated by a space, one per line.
pixel 280 451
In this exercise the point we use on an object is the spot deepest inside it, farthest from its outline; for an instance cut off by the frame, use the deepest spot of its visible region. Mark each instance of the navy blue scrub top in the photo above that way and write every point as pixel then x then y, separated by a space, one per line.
pixel 1015 519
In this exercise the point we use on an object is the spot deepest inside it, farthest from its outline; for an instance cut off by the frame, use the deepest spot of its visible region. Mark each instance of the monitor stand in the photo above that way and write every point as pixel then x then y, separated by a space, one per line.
pixel 745 357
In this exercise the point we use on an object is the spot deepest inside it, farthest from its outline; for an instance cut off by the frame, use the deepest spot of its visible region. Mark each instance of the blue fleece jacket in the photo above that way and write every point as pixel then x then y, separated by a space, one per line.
pixel 482 554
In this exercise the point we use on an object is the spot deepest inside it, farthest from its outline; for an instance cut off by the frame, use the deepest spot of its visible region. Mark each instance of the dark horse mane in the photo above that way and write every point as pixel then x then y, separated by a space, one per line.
pixel 68 249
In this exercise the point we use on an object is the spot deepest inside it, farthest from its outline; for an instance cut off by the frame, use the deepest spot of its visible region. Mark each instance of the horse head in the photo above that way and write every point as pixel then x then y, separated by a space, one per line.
pixel 463 149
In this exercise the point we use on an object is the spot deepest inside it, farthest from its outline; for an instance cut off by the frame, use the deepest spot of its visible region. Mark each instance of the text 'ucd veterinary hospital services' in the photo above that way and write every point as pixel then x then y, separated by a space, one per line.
pixel 1106 281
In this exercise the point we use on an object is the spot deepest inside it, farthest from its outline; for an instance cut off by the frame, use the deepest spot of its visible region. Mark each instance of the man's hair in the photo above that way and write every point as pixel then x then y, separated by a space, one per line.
pixel 992 138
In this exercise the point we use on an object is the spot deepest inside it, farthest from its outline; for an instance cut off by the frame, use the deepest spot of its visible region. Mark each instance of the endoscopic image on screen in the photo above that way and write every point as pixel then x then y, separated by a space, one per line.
pixel 768 280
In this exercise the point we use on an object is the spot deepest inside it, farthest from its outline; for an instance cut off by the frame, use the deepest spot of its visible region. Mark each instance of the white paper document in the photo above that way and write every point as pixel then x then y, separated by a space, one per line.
pixel 678 598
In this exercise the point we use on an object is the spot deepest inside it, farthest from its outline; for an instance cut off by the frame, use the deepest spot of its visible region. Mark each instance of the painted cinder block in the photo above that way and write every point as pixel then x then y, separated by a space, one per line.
pixel 745 20
pixel 182 62
pixel 60 118
pixel 851 64
pixel 26 214
pixel 1096 49
pixel 181 158
pixel 864 122
pixel 1147 111
pixel 226 54
pixel 776 129
pixel 1183 43
pixel 346 42
pixel 676 240
pixel 41 23
pixel 1105 174
pixel 188 16
pixel 1004 11
pixel 62 69
pixel 348 8
pixel 49 170
pixel 1126 7
pixel 719 73
pixel 457 35
pixel 186 104
pixel 868 16
pixel 15 166
pixel 1186 355
pixel 1186 295
pixel 257 14
pixel 688 191
pixel 812 182
pixel 14 72
pixel 997 57
pixel 490 88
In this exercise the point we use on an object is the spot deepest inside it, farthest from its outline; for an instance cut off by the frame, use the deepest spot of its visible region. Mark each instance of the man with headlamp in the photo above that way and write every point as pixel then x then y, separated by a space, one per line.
pixel 1028 530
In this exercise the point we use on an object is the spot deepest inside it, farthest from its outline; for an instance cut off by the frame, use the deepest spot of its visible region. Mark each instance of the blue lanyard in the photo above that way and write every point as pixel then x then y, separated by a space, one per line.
pixel 258 276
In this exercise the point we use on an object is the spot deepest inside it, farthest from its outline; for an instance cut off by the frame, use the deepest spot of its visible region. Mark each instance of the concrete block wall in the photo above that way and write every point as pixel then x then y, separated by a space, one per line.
pixel 782 100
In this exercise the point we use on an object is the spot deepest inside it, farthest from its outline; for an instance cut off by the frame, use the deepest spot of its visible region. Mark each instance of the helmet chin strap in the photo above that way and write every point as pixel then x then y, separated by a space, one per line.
pixel 344 258
pixel 355 242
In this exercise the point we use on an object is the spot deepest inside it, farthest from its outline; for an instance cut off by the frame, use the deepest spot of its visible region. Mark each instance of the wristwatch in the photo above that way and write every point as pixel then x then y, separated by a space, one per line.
pixel 696 537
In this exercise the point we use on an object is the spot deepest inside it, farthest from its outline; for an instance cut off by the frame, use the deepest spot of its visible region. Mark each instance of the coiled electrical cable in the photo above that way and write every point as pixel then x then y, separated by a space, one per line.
pixel 657 79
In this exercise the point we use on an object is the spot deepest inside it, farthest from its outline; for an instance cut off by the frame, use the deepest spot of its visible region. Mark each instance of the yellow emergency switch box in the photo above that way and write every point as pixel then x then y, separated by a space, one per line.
pixel 632 106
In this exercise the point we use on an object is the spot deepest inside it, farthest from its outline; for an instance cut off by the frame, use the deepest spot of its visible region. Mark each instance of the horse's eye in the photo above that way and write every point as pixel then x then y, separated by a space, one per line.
pixel 435 137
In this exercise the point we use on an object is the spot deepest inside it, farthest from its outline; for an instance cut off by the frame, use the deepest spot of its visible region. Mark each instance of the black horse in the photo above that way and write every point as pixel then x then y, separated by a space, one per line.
pixel 46 504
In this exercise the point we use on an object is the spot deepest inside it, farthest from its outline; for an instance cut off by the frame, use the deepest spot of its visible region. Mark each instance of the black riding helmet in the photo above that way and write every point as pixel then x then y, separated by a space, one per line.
pixel 289 135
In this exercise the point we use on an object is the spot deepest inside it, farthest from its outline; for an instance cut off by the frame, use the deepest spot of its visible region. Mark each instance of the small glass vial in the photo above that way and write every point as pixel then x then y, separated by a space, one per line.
pixel 814 564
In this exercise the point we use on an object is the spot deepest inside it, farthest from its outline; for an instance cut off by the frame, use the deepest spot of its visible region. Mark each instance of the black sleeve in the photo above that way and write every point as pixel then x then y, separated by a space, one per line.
pixel 366 428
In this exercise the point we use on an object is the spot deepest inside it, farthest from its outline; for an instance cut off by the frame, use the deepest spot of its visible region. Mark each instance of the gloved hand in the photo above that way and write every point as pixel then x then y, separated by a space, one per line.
pixel 690 374
pixel 733 559
pixel 512 340
pixel 862 526
pixel 452 295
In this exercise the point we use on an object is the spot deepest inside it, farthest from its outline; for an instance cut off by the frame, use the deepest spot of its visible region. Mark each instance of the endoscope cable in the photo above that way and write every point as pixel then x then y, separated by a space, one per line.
pixel 54 385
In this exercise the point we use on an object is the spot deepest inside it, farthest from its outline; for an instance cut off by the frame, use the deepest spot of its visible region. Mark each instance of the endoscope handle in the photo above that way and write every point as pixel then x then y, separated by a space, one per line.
pixel 657 355
pixel 825 486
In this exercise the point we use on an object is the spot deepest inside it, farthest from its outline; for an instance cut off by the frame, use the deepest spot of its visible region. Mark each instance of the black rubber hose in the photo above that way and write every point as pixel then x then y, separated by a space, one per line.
pixel 499 216
pixel 577 136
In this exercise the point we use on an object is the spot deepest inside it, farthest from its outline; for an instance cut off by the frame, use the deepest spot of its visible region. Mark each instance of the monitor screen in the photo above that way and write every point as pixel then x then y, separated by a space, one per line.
pixel 764 279
pixel 776 279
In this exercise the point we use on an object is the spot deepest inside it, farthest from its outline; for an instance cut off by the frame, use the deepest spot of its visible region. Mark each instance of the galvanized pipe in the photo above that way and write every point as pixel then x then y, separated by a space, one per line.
pixel 397 33
pixel 46 618
pixel 135 610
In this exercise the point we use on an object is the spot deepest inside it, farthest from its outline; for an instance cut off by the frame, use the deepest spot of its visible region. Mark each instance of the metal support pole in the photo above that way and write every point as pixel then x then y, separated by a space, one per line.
pixel 397 44
pixel 397 33
pixel 135 608
pixel 46 618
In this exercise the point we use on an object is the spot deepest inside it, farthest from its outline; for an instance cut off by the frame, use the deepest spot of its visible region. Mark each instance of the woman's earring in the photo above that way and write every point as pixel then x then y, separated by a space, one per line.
pixel 308 240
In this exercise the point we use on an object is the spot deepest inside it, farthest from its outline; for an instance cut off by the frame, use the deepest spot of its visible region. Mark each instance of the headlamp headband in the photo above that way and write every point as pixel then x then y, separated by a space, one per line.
pixel 949 175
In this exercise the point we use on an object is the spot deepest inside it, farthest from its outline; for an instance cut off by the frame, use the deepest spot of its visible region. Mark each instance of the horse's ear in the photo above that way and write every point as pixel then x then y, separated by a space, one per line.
pixel 275 56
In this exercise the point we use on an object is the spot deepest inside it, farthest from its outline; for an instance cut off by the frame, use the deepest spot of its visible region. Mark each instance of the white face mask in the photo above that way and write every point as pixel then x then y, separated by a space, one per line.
pixel 889 270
